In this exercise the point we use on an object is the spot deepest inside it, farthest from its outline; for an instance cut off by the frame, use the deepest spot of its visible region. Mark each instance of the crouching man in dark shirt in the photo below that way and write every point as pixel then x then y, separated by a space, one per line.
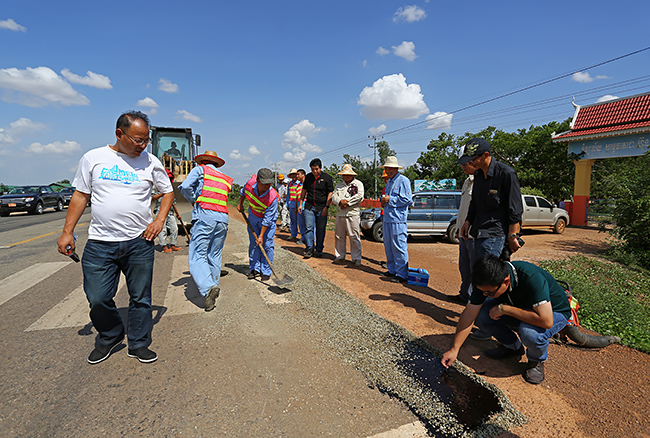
pixel 520 305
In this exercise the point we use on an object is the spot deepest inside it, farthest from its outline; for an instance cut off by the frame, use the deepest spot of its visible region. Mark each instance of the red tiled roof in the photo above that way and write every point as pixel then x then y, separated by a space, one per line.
pixel 617 115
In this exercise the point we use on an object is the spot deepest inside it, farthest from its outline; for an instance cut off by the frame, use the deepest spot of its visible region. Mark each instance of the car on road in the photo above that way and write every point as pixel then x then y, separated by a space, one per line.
pixel 32 199
pixel 433 213
pixel 67 195
pixel 540 213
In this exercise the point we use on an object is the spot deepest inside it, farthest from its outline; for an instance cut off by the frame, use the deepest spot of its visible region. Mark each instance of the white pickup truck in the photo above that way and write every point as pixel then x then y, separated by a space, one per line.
pixel 539 213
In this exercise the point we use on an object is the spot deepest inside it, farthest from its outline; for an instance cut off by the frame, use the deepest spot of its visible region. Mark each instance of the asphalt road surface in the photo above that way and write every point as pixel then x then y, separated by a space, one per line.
pixel 255 366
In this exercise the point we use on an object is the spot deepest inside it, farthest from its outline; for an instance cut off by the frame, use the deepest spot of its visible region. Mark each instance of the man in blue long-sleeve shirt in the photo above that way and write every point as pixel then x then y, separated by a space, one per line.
pixel 207 189
pixel 396 201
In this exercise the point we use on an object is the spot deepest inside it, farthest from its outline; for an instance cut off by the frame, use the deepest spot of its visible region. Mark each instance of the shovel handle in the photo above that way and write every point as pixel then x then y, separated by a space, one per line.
pixel 250 227
pixel 187 235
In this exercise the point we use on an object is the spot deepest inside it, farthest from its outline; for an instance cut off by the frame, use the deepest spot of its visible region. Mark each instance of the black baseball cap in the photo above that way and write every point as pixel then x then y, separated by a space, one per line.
pixel 473 148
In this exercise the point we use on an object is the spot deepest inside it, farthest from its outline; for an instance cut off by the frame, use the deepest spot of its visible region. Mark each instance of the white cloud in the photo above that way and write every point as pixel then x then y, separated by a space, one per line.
pixel 381 51
pixel 376 130
pixel 405 50
pixel 61 148
pixel 439 120
pixel 253 150
pixel 38 87
pixel 186 115
pixel 606 97
pixel 91 79
pixel 236 155
pixel 10 24
pixel 364 63
pixel 167 86
pixel 391 98
pixel 409 14
pixel 585 78
pixel 294 157
pixel 22 127
pixel 148 102
pixel 297 139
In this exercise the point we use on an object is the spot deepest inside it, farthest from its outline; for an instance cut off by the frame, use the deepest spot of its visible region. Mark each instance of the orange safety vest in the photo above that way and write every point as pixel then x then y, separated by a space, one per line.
pixel 295 190
pixel 214 195
pixel 259 204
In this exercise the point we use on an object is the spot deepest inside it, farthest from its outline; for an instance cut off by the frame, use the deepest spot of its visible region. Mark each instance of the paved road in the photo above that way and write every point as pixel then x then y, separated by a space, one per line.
pixel 255 366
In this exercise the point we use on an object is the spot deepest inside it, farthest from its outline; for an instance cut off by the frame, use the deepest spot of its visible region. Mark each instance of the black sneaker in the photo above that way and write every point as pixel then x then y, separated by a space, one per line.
pixel 252 275
pixel 534 373
pixel 308 252
pixel 266 277
pixel 210 300
pixel 396 279
pixel 143 354
pixel 388 274
pixel 318 254
pixel 102 352
pixel 503 352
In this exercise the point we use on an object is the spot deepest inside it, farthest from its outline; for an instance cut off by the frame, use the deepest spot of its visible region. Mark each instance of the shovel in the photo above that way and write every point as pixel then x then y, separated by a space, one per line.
pixel 187 235
pixel 277 280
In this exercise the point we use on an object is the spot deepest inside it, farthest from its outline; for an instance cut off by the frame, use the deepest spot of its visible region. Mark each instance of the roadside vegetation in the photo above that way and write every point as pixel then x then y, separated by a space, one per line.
pixel 614 299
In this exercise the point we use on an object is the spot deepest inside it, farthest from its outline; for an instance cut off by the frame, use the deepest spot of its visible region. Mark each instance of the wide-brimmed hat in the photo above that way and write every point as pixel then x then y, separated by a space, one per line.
pixel 293 171
pixel 210 157
pixel 347 170
pixel 391 162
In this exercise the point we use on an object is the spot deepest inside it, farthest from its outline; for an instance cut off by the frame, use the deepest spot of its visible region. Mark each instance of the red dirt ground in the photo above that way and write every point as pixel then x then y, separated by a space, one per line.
pixel 587 393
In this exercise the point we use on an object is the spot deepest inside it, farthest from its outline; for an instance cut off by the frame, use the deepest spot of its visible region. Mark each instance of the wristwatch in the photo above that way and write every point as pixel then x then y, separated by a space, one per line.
pixel 512 235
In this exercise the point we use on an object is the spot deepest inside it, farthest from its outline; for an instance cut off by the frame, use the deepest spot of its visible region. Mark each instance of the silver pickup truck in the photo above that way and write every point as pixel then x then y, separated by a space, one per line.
pixel 435 213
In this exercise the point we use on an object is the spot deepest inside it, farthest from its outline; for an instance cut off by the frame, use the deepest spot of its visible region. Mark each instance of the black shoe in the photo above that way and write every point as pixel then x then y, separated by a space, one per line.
pixel 396 279
pixel 266 277
pixel 223 273
pixel 210 300
pixel 308 252
pixel 143 354
pixel 101 352
pixel 252 275
pixel 503 352
pixel 388 274
pixel 534 373
pixel 318 254
pixel 480 335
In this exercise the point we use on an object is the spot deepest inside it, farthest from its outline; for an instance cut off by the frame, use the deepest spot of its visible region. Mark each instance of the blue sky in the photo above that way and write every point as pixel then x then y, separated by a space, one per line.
pixel 274 84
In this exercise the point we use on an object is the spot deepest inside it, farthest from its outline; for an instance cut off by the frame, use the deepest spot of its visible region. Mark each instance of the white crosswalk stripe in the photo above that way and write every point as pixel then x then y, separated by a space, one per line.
pixel 181 297
pixel 71 312
pixel 19 282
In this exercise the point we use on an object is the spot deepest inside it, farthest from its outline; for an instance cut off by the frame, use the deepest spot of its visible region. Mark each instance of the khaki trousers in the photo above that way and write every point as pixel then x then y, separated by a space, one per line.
pixel 347 227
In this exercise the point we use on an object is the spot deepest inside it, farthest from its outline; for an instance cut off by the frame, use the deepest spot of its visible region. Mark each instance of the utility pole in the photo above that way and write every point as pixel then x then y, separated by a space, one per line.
pixel 374 166
pixel 275 168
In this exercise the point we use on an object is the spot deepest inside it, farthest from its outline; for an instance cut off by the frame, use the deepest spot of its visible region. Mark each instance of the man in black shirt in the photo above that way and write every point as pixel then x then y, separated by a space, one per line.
pixel 317 193
pixel 496 207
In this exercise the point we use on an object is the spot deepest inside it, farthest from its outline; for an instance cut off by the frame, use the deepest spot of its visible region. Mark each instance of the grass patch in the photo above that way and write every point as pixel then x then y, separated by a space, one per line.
pixel 614 300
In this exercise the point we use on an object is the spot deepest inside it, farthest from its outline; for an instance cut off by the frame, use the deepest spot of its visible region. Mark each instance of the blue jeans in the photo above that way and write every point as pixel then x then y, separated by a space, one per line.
pixel 102 263
pixel 293 218
pixel 397 255
pixel 465 262
pixel 315 223
pixel 302 227
pixel 490 245
pixel 256 260
pixel 206 247
pixel 512 332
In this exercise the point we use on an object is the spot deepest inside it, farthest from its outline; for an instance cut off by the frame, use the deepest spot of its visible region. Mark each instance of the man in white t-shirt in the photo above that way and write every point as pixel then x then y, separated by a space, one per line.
pixel 119 179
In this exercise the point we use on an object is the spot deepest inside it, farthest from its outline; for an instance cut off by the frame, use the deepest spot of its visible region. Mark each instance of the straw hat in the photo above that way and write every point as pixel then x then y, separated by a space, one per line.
pixel 211 158
pixel 347 170
pixel 293 171
pixel 391 162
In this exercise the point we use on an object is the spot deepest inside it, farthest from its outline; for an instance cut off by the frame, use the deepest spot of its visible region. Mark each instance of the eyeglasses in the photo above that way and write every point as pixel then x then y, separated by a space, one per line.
pixel 490 293
pixel 138 141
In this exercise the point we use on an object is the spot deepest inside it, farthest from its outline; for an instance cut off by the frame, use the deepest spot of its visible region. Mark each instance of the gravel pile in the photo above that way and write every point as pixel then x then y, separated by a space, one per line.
pixel 451 403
